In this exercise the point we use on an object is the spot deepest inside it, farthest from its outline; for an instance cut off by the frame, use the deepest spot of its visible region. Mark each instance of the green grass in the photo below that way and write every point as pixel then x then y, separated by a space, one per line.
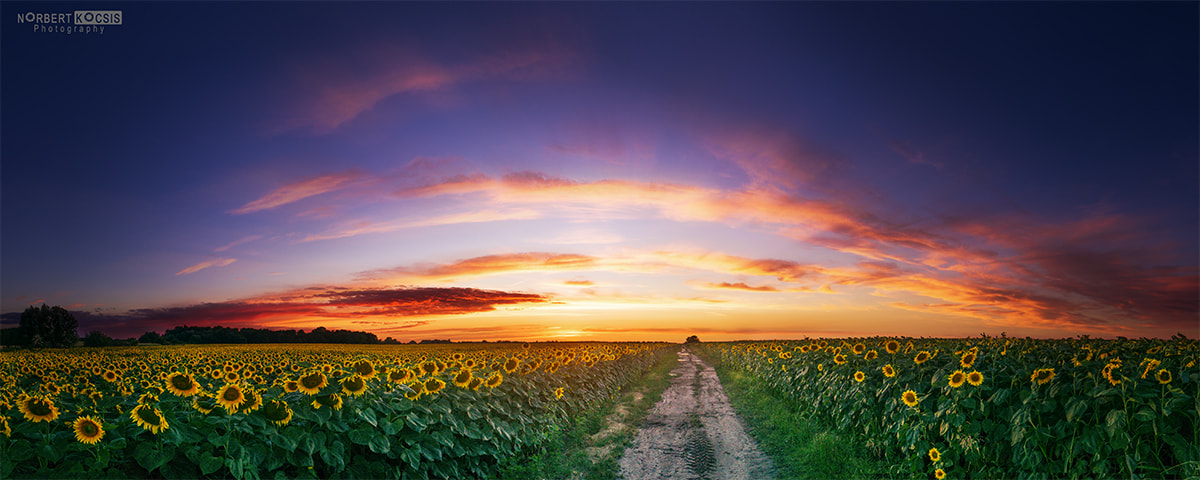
pixel 799 446
pixel 566 452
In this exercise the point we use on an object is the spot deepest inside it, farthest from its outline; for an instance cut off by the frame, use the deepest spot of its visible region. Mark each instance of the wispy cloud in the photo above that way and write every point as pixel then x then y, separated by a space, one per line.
pixel 240 241
pixel 298 191
pixel 216 262
pixel 333 91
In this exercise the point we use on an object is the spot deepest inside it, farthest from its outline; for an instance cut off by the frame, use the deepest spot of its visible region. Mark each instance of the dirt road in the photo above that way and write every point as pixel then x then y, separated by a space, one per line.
pixel 693 433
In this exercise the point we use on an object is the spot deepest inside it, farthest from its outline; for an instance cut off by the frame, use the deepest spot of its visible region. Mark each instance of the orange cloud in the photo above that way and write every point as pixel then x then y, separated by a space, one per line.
pixel 742 286
pixel 298 191
pixel 217 262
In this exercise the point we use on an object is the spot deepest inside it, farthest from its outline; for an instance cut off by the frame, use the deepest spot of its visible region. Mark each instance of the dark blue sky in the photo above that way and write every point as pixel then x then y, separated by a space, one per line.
pixel 1047 151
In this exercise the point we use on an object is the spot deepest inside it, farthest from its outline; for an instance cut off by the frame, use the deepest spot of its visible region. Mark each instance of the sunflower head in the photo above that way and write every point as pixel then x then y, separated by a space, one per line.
pixel 312 383
pixel 291 386
pixel 558 393
pixel 859 348
pixel 149 418
pixel 957 378
pixel 434 385
pixel 231 397
pixel 495 380
pixel 975 378
pixel 1163 376
pixel 204 403
pixel 400 375
pixel 182 384
pixel 88 430
pixel 1042 375
pixel 967 359
pixel 939 474
pixel 511 365
pixel 871 354
pixel 839 359
pixel 253 401
pixel 859 376
pixel 4 427
pixel 892 346
pixel 934 454
pixel 909 398
pixel 277 412
pixel 463 378
pixel 332 400
pixel 354 385
pixel 888 371
pixel 364 369
pixel 921 357
pixel 38 408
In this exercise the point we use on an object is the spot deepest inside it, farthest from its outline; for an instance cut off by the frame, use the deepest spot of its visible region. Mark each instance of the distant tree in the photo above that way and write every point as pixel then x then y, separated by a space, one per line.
pixel 692 339
pixel 49 327
pixel 13 336
pixel 96 338
pixel 150 337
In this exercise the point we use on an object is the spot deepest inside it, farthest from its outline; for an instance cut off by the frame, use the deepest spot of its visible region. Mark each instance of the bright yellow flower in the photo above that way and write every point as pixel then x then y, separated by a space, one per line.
pixel 975 378
pixel 934 454
pixel 888 371
pixel 88 430
pixel 231 397
pixel 182 384
pixel 957 378
pixel 909 398
pixel 149 418
pixel 37 408
pixel 1163 376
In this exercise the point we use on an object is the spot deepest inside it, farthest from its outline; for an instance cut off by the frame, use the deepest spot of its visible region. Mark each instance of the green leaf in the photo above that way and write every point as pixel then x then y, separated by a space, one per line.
pixel 380 444
pixel 1115 422
pixel 368 415
pixel 362 436
pixel 284 441
pixel 1076 409
pixel 209 464
pixel 151 458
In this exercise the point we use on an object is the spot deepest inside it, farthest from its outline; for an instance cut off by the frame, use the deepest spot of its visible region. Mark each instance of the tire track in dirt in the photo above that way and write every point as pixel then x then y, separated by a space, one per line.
pixel 693 433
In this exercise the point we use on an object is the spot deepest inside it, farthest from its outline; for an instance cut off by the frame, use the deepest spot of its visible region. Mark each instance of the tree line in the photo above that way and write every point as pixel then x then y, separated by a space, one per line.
pixel 55 327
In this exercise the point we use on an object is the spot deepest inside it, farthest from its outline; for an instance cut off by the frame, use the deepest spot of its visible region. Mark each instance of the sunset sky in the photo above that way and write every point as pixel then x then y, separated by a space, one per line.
pixel 607 171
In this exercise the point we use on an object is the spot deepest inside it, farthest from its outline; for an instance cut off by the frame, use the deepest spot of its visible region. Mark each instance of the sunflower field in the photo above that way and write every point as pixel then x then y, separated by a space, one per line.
pixel 996 407
pixel 297 411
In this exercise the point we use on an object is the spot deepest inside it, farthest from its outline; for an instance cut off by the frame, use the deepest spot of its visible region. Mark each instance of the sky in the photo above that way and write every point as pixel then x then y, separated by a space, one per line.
pixel 605 171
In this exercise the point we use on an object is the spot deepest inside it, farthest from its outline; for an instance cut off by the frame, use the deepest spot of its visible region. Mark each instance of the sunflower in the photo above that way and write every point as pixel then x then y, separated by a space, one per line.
pixel 892 346
pixel 332 400
pixel 417 388
pixel 463 378
pixel 511 365
pixel 204 403
pixel 354 385
pixel 88 430
pixel 253 401
pixel 231 397
pixel 1163 376
pixel 975 378
pixel 277 412
pixel 6 430
pixel 967 359
pixel 839 359
pixel 871 354
pixel 110 376
pixel 476 382
pixel 149 418
pixel 312 383
pixel 495 380
pixel 859 348
pixel 291 386
pixel 400 375
pixel 921 357
pixel 364 369
pixel 37 408
pixel 820 367
pixel 1042 375
pixel 934 454
pixel 939 474
pixel 148 398
pixel 910 398
pixel 558 393
pixel 957 378
pixel 434 385
pixel 427 367
pixel 859 376
pixel 888 371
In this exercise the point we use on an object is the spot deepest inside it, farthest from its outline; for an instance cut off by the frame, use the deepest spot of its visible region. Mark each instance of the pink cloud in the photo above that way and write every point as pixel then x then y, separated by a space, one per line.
pixel 216 262
pixel 298 191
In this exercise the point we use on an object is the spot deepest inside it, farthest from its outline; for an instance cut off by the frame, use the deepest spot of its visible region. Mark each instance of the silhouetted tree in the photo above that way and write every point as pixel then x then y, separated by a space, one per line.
pixel 96 338
pixel 150 337
pixel 49 327
pixel 692 339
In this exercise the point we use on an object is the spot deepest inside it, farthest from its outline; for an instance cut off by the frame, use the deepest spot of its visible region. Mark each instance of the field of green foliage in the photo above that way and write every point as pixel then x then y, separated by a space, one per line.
pixel 995 407
pixel 297 411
